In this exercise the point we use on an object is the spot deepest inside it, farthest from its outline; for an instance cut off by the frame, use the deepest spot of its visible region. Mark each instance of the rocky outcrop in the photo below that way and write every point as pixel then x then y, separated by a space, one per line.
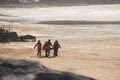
pixel 29 70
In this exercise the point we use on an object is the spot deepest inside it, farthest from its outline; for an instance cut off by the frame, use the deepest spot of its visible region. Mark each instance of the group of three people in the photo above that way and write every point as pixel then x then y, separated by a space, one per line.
pixel 47 47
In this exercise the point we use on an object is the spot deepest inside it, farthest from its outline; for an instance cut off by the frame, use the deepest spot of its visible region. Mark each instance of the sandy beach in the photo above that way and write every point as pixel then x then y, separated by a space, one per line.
pixel 89 37
pixel 96 55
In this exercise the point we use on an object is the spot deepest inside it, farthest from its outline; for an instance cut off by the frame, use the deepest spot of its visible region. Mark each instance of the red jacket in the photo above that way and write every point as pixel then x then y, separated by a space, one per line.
pixel 39 45
pixel 46 46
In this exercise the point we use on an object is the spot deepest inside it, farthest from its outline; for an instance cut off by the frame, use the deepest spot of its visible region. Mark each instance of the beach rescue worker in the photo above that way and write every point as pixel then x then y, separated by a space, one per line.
pixel 46 48
pixel 39 47
pixel 50 46
pixel 56 46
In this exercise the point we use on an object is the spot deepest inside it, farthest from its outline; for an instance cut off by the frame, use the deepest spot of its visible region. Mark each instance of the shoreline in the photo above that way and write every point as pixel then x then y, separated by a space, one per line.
pixel 81 32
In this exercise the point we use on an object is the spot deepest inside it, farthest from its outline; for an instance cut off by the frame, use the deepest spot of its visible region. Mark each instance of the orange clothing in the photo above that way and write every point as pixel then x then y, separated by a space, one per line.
pixel 45 46
pixel 39 45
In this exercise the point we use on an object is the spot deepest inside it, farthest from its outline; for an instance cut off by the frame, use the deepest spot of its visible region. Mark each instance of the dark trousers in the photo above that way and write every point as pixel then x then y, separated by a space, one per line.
pixel 55 52
pixel 47 52
pixel 39 53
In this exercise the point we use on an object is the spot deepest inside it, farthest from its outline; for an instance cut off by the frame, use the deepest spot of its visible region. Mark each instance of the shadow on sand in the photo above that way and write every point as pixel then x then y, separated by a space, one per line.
pixel 42 57
pixel 61 76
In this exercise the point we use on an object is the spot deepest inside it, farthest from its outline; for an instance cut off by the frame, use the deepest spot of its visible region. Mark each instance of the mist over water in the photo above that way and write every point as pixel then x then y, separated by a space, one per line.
pixel 80 13
pixel 72 16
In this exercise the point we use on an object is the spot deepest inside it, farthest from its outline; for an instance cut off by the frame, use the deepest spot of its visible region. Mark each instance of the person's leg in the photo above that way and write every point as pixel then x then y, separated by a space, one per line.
pixel 56 52
pixel 39 53
pixel 46 52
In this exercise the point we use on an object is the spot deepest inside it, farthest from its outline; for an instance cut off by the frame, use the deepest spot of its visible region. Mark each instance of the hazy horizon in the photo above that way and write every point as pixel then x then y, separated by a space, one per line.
pixel 69 13
pixel 47 3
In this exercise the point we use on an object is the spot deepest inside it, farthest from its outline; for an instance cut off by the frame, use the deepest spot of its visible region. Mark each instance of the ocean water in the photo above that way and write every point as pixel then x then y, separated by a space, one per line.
pixel 77 13
pixel 34 16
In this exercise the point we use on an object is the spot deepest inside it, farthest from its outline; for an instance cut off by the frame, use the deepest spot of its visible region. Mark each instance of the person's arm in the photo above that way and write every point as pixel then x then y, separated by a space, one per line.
pixel 43 47
pixel 59 46
pixel 51 44
pixel 35 46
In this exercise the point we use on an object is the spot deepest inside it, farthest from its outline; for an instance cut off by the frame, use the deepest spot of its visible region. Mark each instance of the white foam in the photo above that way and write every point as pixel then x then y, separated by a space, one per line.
pixel 89 13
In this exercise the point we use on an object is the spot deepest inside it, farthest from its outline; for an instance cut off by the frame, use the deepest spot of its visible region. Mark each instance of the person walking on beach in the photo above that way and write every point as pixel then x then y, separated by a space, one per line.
pixel 50 46
pixel 55 47
pixel 39 47
pixel 46 48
